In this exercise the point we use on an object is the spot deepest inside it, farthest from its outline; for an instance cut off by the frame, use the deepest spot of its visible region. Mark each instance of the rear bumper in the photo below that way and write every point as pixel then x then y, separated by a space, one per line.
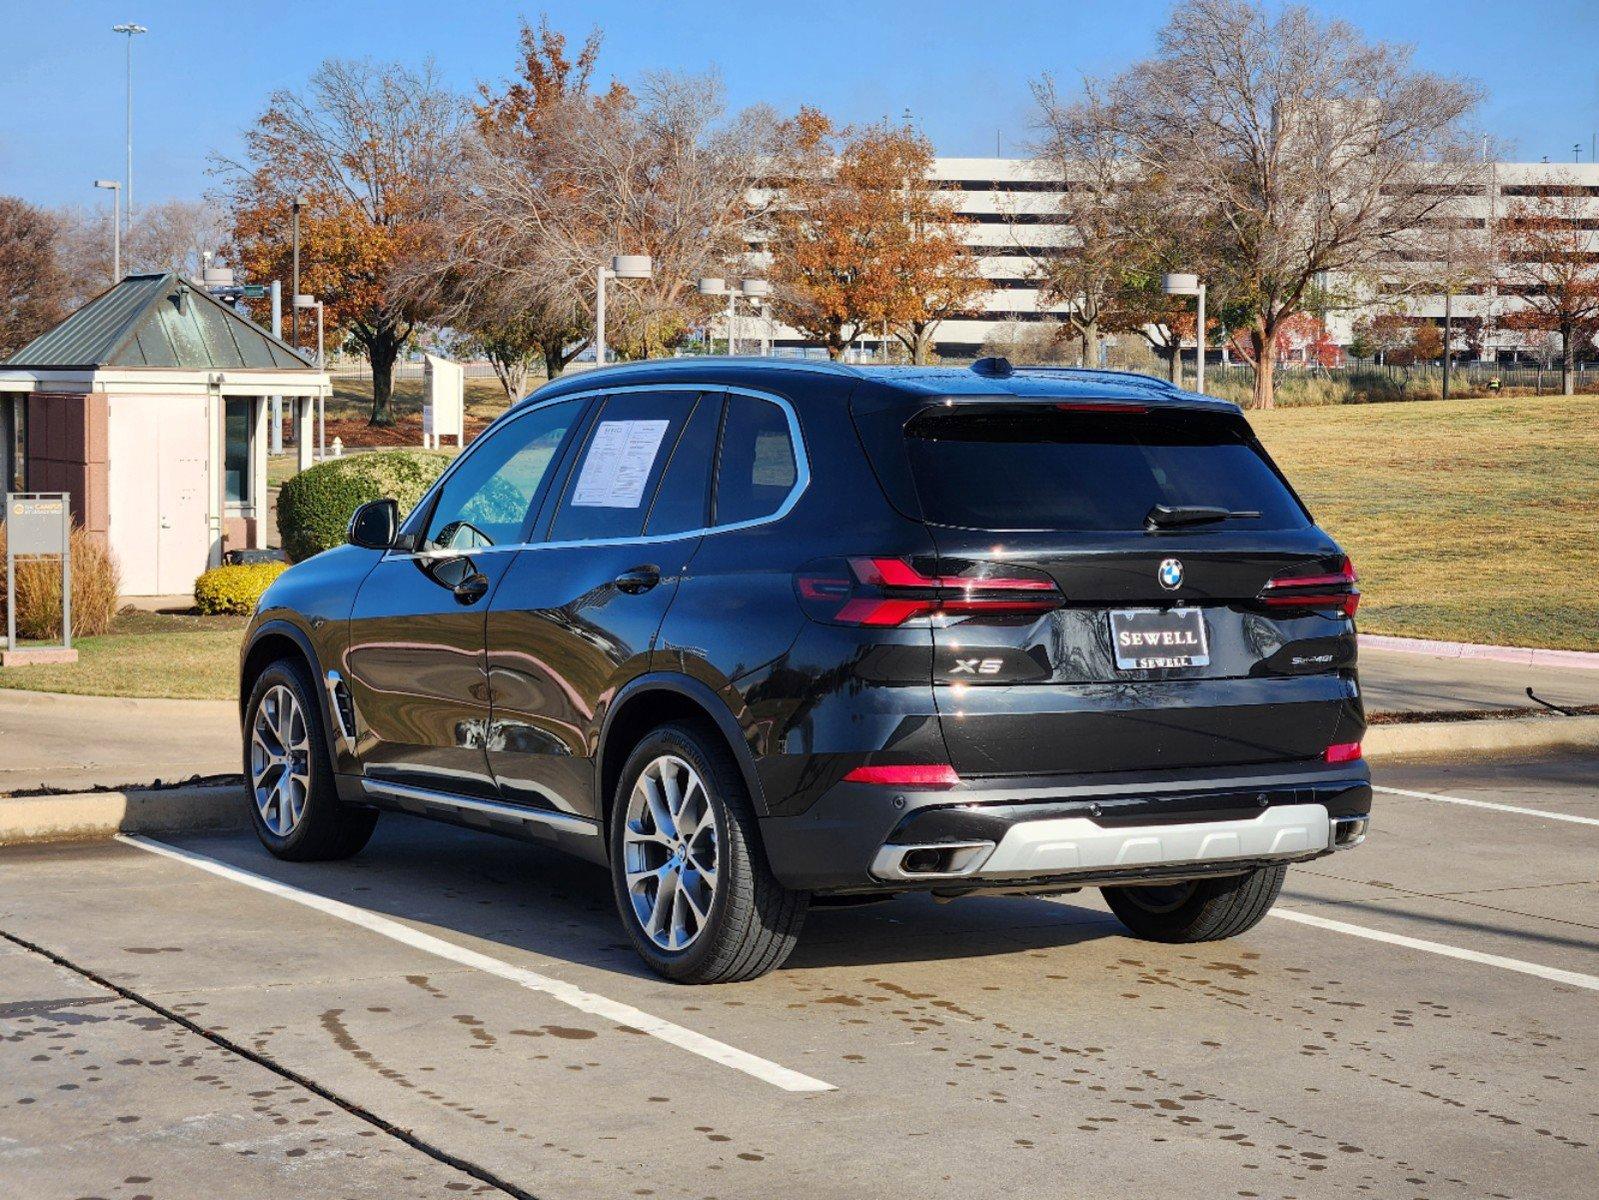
pixel 1148 826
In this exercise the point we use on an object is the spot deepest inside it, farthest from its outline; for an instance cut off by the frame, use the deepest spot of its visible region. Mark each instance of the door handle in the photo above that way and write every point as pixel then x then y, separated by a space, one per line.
pixel 471 589
pixel 635 581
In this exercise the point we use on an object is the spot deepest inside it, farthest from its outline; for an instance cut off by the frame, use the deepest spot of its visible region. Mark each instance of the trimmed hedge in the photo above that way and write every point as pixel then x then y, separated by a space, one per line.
pixel 315 506
pixel 235 589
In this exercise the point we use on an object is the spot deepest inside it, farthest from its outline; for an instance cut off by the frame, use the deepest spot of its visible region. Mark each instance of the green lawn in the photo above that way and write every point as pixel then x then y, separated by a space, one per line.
pixel 1474 520
pixel 147 654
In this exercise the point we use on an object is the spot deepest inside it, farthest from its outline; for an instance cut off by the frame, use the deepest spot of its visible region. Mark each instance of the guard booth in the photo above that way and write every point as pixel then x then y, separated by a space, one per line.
pixel 149 405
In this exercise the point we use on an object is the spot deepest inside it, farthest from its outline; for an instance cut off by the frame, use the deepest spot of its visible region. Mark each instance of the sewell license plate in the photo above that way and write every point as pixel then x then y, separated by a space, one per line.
pixel 1149 639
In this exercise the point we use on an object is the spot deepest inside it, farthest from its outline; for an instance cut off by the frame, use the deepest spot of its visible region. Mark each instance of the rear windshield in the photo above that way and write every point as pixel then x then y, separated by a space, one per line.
pixel 1039 467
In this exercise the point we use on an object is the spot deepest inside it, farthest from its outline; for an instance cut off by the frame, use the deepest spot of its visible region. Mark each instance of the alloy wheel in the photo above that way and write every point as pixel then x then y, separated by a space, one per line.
pixel 280 760
pixel 670 852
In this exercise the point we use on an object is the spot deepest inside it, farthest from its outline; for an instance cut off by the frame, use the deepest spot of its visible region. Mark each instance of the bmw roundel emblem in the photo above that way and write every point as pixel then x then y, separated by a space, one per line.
pixel 1170 574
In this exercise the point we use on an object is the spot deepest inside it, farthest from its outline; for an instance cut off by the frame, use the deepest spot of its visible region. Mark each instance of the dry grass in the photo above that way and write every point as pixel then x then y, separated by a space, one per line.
pixel 1475 520
pixel 147 654
pixel 95 584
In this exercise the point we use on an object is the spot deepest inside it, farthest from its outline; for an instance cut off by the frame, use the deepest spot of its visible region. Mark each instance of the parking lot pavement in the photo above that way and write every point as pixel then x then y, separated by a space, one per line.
pixel 81 742
pixel 1429 1033
pixel 1399 681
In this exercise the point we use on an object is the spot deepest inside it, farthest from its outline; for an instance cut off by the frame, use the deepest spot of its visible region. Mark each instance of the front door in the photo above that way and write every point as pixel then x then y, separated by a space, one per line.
pixel 416 664
pixel 156 470
pixel 578 613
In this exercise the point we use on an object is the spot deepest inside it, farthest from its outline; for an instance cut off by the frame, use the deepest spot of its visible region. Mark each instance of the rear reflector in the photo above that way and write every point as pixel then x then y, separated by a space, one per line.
pixel 1301 589
pixel 930 775
pixel 892 591
pixel 1342 752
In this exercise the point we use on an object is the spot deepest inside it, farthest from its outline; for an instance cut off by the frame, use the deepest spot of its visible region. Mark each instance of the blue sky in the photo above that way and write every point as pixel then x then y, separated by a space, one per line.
pixel 204 69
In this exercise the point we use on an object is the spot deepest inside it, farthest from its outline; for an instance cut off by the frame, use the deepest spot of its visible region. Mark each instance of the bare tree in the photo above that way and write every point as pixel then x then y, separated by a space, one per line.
pixel 1298 147
pixel 1084 150
pixel 173 235
pixel 561 178
pixel 374 150
pixel 1550 252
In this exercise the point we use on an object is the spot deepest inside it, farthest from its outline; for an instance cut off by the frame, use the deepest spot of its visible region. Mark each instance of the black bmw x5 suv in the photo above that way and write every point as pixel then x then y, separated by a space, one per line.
pixel 762 634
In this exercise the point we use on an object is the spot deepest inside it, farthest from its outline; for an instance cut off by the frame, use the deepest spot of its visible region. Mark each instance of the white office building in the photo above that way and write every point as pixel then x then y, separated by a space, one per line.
pixel 1014 219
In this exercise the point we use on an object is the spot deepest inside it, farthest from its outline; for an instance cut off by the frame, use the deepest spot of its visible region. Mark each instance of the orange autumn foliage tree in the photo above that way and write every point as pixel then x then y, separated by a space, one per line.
pixel 1551 256
pixel 371 149
pixel 861 238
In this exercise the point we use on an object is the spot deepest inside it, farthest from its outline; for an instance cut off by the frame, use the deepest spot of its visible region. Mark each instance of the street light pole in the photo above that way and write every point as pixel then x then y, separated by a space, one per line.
pixel 132 31
pixel 1183 283
pixel 623 266
pixel 116 226
pixel 600 276
pixel 294 284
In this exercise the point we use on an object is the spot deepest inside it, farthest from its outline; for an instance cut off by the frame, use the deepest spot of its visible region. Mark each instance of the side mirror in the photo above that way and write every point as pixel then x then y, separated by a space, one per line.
pixel 374 525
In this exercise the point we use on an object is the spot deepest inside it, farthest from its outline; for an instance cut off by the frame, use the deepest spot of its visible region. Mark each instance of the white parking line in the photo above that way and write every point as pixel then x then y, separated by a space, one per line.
pixel 566 993
pixel 1573 978
pixel 1510 808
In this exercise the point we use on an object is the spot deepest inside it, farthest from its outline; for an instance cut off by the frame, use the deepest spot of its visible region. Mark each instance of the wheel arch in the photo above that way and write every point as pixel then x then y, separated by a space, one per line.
pixel 282 639
pixel 652 700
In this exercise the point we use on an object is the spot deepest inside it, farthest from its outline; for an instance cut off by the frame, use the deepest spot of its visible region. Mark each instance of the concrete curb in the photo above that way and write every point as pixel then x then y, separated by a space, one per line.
pixel 1436 739
pixel 1525 656
pixel 88 816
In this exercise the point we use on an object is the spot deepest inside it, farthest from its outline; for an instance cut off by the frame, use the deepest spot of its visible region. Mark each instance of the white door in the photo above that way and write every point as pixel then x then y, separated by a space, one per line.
pixel 157 491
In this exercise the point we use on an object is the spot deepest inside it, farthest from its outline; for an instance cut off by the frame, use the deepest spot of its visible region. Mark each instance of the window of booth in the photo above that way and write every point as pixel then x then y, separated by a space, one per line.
pixel 238 433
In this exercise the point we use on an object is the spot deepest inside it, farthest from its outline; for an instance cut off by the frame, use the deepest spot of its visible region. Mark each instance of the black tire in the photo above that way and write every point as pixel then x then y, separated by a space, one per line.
pixel 753 921
pixel 1205 910
pixel 327 827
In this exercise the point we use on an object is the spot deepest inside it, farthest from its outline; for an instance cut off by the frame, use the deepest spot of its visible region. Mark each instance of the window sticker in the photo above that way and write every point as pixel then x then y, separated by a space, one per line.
pixel 618 465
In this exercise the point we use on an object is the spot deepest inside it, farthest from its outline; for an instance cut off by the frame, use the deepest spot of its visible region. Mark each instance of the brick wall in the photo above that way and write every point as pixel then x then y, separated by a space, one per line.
pixel 67 453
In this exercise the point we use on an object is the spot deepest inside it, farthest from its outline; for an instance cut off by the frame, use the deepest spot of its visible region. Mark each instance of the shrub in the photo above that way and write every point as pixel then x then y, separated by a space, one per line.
pixel 315 506
pixel 96 582
pixel 235 589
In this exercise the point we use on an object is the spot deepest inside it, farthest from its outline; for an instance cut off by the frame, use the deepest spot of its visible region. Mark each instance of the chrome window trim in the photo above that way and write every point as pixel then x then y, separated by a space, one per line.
pixel 802 473
pixel 496 808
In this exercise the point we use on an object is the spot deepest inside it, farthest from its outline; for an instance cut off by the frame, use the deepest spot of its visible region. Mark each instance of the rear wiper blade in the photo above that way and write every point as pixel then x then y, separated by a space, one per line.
pixel 1177 516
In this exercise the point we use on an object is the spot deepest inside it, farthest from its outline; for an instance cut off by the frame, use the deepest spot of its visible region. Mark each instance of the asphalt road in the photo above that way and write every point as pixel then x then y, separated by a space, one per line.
pixel 454 1014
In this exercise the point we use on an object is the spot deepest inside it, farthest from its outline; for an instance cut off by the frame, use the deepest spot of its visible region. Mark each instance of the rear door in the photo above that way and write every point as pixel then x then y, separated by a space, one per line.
pixel 578 611
pixel 1168 645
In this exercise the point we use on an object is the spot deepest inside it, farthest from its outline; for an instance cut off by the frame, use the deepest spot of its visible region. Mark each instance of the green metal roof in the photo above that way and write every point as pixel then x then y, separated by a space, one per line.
pixel 157 321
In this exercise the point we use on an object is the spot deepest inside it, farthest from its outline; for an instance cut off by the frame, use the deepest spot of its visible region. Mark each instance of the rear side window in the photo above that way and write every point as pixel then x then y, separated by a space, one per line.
pixel 1037 467
pixel 684 496
pixel 756 470
pixel 619 468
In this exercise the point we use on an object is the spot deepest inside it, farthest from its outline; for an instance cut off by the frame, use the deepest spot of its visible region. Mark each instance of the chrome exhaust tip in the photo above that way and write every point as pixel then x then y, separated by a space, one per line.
pixel 940 860
pixel 1349 832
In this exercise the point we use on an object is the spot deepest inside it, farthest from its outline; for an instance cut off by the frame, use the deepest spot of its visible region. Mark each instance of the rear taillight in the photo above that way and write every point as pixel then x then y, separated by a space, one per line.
pixel 918 775
pixel 1302 588
pixel 1342 752
pixel 893 591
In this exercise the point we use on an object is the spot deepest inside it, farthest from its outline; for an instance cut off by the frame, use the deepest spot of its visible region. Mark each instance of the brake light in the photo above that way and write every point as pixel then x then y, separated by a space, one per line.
pixel 892 591
pixel 1101 406
pixel 1301 589
pixel 931 775
pixel 1342 752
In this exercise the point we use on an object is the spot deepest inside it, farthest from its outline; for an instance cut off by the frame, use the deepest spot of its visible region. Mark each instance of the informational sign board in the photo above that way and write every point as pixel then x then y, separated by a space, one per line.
pixel 38 525
pixel 443 401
